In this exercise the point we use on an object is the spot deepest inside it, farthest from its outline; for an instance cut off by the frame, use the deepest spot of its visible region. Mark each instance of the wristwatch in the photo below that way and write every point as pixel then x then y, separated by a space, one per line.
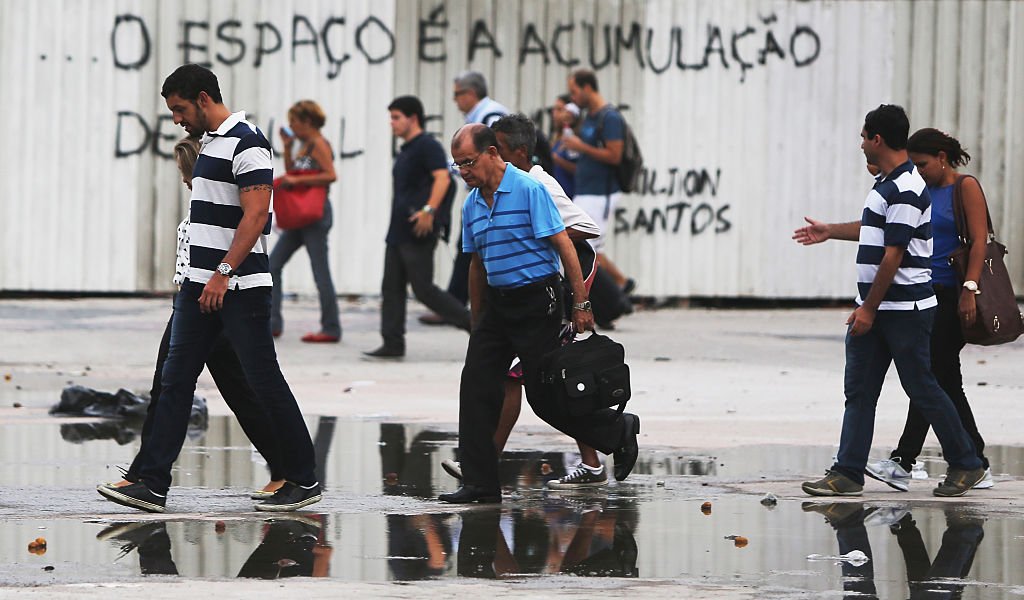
pixel 225 269
pixel 972 286
pixel 428 209
pixel 585 305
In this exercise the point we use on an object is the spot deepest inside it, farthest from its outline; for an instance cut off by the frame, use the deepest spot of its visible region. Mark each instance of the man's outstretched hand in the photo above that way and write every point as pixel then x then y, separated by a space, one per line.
pixel 814 233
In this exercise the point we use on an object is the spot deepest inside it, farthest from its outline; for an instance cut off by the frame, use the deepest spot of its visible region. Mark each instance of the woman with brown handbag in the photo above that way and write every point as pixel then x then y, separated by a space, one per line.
pixel 315 161
pixel 937 156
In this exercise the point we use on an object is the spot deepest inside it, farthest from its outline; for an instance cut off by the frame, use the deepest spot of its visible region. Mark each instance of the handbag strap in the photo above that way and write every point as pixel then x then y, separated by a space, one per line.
pixel 960 217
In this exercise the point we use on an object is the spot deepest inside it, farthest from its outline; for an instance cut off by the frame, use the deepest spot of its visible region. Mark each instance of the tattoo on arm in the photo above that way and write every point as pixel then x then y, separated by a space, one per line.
pixel 263 187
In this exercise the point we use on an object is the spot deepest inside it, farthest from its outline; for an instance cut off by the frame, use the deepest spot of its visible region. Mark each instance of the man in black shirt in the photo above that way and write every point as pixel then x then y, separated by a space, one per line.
pixel 421 183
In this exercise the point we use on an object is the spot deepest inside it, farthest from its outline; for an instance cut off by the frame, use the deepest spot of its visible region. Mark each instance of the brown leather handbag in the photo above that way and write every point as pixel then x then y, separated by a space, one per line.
pixel 999 319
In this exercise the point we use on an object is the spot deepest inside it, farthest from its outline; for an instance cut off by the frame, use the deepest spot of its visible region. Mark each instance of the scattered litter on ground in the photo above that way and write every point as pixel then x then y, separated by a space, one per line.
pixel 855 558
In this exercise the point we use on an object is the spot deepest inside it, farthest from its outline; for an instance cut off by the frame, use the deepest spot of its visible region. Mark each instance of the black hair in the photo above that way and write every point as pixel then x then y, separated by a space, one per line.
pixel 188 81
pixel 519 130
pixel 408 106
pixel 931 141
pixel 565 98
pixel 585 77
pixel 889 121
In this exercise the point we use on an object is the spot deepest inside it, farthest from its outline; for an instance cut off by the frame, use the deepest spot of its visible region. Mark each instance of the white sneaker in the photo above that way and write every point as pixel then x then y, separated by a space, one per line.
pixel 581 478
pixel 889 472
pixel 986 482
pixel 452 467
pixel 918 471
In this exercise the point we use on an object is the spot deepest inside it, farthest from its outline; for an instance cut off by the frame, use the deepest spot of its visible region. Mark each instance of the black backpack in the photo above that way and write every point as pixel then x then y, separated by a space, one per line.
pixel 627 172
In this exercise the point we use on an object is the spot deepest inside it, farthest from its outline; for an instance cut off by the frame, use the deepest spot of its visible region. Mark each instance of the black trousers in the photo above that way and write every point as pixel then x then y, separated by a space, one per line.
pixel 458 285
pixel 946 344
pixel 223 364
pixel 524 322
pixel 412 263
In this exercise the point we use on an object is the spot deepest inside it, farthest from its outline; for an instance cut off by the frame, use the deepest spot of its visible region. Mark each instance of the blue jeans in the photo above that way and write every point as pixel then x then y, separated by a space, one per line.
pixel 245 321
pixel 902 337
pixel 314 238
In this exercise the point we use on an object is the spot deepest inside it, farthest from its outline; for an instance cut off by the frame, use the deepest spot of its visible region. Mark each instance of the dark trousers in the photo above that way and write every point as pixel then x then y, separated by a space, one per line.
pixel 412 263
pixel 524 322
pixel 902 337
pixel 947 342
pixel 852 535
pixel 458 285
pixel 245 321
pixel 227 373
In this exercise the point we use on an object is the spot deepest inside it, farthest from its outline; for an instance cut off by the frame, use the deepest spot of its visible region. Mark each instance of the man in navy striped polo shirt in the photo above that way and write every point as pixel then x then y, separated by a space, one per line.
pixel 227 289
pixel 894 314
pixel 515 234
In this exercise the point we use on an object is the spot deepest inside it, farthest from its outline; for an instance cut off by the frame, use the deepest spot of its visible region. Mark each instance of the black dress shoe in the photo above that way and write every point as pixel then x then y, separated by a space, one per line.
pixel 625 457
pixel 386 352
pixel 468 494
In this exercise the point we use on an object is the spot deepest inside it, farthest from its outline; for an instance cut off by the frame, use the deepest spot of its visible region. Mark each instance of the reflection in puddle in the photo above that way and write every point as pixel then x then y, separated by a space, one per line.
pixel 926 578
pixel 489 543
pixel 636 530
pixel 918 552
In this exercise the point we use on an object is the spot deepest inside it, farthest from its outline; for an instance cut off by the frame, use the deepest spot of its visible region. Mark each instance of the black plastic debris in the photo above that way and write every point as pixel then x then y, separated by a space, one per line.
pixel 127 408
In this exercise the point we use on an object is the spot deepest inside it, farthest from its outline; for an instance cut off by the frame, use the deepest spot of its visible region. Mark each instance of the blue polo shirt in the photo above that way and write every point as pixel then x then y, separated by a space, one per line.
pixel 511 235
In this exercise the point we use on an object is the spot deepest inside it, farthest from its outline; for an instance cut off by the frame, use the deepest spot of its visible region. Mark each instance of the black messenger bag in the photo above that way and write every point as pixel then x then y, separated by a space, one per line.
pixel 587 375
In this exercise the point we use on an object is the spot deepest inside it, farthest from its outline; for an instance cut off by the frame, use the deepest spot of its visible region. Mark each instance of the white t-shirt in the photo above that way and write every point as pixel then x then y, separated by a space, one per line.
pixel 573 216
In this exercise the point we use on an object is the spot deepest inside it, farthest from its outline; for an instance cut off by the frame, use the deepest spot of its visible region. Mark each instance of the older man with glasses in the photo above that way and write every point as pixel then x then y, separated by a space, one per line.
pixel 515 236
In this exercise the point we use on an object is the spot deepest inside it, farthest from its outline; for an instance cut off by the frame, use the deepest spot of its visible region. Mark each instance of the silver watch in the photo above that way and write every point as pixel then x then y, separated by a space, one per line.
pixel 225 269
pixel 585 305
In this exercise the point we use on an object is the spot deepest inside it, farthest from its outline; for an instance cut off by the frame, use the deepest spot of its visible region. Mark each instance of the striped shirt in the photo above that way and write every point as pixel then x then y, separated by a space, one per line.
pixel 235 156
pixel 510 236
pixel 898 213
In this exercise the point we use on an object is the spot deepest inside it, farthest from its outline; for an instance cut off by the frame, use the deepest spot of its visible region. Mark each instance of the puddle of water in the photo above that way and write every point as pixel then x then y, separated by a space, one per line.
pixel 372 457
pixel 916 552
pixel 624 531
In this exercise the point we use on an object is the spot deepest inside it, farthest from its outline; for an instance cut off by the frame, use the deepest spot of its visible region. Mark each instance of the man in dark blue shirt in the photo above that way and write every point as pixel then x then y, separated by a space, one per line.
pixel 421 184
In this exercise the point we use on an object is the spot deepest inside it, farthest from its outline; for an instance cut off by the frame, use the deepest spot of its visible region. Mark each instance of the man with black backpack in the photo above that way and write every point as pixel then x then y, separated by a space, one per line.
pixel 609 163
pixel 420 214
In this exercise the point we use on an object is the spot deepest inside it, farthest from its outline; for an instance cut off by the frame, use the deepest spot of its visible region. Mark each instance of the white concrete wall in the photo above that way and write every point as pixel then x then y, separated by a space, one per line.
pixel 748 113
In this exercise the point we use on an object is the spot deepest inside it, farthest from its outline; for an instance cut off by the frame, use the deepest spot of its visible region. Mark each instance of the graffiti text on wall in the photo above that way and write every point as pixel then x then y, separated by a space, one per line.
pixel 333 41
pixel 684 211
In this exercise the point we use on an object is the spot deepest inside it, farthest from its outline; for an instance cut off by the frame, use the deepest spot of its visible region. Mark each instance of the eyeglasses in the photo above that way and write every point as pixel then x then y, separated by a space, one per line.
pixel 459 93
pixel 467 164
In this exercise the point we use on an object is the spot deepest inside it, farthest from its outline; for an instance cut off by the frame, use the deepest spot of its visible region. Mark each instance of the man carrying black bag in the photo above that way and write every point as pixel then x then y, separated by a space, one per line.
pixel 516 236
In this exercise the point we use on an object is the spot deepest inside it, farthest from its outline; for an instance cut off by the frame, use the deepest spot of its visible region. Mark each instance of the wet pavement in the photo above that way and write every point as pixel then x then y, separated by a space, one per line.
pixel 677 518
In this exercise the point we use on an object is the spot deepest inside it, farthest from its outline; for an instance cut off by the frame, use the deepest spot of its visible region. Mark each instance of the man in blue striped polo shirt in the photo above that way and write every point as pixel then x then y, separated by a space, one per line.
pixel 227 289
pixel 894 314
pixel 515 234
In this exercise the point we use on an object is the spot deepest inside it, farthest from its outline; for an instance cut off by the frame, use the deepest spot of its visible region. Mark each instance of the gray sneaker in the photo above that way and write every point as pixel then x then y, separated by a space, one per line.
pixel 833 483
pixel 959 481
pixel 890 472
pixel 580 478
